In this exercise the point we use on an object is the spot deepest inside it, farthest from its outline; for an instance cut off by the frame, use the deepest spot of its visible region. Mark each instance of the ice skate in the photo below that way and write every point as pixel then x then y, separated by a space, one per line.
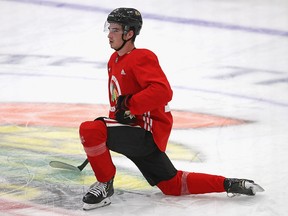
pixel 98 195
pixel 241 186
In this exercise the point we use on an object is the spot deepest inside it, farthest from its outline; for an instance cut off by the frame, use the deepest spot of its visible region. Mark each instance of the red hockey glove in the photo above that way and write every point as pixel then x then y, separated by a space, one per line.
pixel 122 112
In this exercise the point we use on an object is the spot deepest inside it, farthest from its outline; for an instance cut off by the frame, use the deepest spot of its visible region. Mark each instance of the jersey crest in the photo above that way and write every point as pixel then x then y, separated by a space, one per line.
pixel 115 90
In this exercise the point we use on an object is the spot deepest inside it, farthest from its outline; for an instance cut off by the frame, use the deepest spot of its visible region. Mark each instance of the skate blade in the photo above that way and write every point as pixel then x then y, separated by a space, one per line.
pixel 255 187
pixel 103 203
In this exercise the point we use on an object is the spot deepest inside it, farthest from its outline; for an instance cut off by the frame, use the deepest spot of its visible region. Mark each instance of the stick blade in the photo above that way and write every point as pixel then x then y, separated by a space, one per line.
pixel 62 165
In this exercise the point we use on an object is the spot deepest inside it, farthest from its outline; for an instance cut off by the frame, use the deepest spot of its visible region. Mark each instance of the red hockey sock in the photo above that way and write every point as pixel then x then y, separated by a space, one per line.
pixel 199 183
pixel 93 136
pixel 192 183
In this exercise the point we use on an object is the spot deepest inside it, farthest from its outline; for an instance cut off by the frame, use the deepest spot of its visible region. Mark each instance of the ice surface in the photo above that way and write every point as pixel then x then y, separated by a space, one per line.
pixel 226 60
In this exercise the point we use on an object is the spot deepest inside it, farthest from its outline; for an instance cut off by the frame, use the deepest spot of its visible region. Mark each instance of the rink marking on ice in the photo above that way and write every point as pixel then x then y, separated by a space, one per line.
pixel 49 60
pixel 14 207
pixel 55 141
pixel 234 95
pixel 53 128
pixel 37 132
pixel 72 115
pixel 162 18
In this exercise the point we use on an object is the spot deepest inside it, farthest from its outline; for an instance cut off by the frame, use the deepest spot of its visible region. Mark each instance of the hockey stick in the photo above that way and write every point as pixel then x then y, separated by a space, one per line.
pixel 62 165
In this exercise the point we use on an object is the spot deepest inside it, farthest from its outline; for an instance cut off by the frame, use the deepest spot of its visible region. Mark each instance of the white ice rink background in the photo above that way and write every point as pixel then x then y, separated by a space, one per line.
pixel 223 58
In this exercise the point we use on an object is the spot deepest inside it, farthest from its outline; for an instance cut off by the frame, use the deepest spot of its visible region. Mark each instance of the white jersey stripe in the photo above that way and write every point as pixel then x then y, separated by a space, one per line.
pixel 147 121
pixel 113 123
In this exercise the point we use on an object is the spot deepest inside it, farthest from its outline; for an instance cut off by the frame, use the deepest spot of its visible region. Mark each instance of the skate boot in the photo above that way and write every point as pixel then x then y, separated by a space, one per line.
pixel 98 195
pixel 241 186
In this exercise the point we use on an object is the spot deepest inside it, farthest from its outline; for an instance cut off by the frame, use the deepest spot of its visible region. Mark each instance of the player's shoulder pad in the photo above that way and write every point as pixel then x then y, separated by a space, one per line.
pixel 144 54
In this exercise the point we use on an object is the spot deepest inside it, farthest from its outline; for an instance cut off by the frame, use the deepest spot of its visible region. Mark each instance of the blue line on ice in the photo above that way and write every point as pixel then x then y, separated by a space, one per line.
pixel 162 18
pixel 234 95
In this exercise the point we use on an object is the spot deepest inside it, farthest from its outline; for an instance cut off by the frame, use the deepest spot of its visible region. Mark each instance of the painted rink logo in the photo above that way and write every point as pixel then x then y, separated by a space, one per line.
pixel 32 134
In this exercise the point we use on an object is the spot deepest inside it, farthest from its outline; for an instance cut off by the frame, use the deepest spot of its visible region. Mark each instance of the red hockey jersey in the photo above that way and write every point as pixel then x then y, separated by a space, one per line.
pixel 138 73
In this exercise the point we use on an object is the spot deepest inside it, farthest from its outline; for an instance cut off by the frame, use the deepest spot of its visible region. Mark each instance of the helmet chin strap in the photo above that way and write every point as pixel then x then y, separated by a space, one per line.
pixel 123 44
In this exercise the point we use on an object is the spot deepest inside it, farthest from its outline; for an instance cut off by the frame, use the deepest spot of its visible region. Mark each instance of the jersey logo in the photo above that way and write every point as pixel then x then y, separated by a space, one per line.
pixel 115 90
pixel 123 72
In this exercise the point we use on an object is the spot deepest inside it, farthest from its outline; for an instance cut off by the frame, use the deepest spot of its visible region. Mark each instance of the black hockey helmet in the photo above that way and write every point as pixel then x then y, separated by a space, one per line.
pixel 129 18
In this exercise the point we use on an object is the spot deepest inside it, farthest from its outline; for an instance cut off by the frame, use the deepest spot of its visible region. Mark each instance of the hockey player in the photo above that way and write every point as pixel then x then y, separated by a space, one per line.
pixel 140 122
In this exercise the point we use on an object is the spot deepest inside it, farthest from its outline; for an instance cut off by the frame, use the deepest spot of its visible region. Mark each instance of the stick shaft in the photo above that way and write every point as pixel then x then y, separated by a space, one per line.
pixel 83 165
